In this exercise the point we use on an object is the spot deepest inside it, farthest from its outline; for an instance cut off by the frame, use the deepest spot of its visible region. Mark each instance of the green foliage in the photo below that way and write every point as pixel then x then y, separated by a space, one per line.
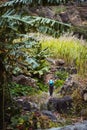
pixel 18 57
pixel 40 55
pixel 69 48
pixel 59 83
pixel 21 90
pixel 62 75
pixel 22 121
pixel 32 120
pixel 43 25
pixel 42 86
pixel 16 26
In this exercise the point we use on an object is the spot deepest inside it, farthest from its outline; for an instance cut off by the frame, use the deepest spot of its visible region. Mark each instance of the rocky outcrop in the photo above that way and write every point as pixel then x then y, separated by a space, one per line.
pixel 25 104
pixel 49 114
pixel 74 16
pixel 64 17
pixel 62 105
pixel 69 86
pixel 57 62
pixel 24 80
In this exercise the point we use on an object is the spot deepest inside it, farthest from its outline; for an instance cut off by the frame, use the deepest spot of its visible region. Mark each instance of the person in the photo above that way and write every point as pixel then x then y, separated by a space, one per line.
pixel 51 86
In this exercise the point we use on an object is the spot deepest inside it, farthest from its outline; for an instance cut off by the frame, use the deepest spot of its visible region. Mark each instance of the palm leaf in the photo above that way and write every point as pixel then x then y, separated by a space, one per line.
pixel 37 2
pixel 44 25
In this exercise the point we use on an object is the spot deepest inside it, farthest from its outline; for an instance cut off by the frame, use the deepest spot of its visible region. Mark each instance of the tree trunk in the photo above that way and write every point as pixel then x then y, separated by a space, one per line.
pixel 4 95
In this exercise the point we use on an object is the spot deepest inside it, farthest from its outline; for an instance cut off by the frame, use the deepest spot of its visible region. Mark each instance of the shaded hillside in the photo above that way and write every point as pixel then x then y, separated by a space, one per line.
pixel 73 14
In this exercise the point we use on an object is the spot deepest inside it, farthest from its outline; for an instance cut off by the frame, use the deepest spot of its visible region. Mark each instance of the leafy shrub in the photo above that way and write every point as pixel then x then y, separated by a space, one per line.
pixel 31 121
pixel 62 75
pixel 59 83
pixel 42 86
pixel 21 122
pixel 21 90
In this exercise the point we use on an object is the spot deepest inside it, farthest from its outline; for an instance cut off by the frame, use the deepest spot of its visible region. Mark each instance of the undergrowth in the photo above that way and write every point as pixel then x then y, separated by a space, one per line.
pixel 21 90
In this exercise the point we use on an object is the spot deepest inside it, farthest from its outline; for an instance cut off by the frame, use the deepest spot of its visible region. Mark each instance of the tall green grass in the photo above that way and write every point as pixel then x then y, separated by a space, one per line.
pixel 69 48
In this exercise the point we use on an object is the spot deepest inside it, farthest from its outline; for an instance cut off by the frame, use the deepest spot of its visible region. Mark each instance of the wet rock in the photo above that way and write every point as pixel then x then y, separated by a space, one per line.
pixel 24 80
pixel 62 105
pixel 49 114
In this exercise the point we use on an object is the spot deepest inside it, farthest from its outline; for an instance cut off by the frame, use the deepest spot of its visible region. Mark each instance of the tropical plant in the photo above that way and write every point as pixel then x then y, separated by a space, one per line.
pixel 15 25
pixel 35 2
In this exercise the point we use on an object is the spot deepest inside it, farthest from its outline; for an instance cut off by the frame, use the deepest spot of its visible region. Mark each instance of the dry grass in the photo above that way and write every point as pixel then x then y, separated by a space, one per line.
pixel 69 48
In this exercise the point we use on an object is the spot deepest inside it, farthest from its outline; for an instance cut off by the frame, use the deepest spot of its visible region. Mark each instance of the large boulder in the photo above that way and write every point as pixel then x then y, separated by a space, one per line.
pixel 49 114
pixel 24 80
pixel 25 104
pixel 62 105
pixel 64 17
